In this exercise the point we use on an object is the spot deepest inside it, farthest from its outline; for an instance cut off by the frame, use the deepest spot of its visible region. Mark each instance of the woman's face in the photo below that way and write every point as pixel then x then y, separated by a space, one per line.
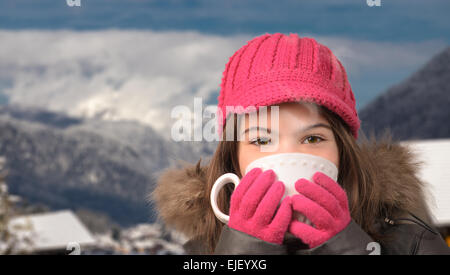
pixel 299 129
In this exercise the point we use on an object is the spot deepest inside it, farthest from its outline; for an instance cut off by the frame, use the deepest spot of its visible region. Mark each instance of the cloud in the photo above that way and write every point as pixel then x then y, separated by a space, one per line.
pixel 141 75
pixel 364 56
pixel 113 74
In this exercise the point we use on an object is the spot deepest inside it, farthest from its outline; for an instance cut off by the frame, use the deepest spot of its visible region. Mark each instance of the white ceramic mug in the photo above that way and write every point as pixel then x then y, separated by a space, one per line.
pixel 289 167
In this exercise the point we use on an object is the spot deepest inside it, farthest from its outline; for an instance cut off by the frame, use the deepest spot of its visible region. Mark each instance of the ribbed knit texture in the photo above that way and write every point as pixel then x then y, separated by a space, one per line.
pixel 276 68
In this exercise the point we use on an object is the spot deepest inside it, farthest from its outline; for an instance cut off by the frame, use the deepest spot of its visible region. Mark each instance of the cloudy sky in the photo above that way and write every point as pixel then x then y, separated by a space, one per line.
pixel 135 59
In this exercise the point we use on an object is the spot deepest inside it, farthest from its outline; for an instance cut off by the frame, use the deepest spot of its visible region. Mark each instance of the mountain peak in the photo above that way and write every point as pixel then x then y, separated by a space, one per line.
pixel 415 108
pixel 437 67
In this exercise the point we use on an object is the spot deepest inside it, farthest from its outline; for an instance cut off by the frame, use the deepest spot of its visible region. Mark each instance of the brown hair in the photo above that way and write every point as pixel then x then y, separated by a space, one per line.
pixel 356 174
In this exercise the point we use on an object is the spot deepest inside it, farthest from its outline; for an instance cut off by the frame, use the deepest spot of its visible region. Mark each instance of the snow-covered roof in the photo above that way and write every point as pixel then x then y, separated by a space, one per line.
pixel 54 230
pixel 435 155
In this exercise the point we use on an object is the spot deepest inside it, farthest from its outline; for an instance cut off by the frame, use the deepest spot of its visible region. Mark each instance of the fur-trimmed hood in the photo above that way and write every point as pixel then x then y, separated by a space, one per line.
pixel 182 201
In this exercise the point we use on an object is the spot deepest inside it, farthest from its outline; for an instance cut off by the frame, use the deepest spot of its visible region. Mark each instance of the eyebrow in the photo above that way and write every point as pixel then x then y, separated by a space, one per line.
pixel 256 128
pixel 317 125
pixel 304 129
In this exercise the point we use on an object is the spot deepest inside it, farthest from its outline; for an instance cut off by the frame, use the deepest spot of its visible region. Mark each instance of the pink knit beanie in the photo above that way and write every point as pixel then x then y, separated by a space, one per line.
pixel 276 68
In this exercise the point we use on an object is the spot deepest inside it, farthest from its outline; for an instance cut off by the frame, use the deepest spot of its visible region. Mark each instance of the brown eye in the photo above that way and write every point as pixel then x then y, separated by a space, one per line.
pixel 313 139
pixel 260 141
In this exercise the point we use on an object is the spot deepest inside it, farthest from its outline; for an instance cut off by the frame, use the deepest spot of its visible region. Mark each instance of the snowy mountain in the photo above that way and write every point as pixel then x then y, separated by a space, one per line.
pixel 417 108
pixel 105 166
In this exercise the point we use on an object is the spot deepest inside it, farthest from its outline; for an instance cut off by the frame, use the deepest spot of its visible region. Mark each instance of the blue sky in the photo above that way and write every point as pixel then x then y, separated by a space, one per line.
pixel 394 20
pixel 114 57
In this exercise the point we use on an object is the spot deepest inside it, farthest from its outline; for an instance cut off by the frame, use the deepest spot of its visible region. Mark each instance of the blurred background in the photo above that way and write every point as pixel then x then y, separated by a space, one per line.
pixel 87 88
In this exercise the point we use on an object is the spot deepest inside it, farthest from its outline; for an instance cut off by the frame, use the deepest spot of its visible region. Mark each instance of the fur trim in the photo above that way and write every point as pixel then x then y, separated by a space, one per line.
pixel 182 200
pixel 397 186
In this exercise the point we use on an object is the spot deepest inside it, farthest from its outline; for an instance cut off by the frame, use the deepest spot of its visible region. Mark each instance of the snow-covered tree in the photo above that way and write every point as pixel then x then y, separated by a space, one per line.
pixel 14 239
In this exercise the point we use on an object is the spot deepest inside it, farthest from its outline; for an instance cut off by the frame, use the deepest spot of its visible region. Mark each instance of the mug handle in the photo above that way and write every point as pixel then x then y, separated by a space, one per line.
pixel 218 185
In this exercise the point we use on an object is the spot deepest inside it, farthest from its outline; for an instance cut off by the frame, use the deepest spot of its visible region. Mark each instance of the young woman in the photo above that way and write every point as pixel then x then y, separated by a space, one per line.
pixel 377 204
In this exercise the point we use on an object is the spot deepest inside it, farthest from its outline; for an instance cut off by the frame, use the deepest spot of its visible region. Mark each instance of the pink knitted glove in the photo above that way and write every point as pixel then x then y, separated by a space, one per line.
pixel 254 203
pixel 325 204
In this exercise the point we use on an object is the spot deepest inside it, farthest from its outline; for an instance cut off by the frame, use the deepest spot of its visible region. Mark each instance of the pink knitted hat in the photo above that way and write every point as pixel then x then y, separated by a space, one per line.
pixel 276 68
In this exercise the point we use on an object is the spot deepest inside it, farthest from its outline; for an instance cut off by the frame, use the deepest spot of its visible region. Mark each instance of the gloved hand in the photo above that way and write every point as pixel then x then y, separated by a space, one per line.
pixel 325 204
pixel 254 203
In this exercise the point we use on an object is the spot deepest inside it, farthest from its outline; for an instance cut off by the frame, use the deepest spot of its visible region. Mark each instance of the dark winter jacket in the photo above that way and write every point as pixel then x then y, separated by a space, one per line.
pixel 182 202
